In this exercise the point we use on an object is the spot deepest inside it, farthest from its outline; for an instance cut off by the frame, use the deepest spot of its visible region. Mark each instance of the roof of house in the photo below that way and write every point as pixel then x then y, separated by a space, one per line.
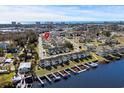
pixel 25 65
pixel 2 59
pixel 9 60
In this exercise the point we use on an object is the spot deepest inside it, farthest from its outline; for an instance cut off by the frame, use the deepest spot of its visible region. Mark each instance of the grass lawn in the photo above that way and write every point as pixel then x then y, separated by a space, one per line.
pixel 37 49
pixel 96 43
pixel 120 39
pixel 9 55
pixel 5 79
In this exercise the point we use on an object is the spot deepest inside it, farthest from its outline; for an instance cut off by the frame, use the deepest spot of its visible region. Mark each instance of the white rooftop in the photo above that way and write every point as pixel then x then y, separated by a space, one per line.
pixel 25 65
pixel 9 60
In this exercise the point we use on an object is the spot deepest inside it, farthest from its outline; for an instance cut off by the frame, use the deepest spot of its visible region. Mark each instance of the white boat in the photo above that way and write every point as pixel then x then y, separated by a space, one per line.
pixel 92 64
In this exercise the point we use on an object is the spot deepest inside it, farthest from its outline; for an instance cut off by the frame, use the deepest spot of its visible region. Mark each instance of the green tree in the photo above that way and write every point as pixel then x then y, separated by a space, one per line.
pixel 69 45
pixel 107 33
pixel 1 52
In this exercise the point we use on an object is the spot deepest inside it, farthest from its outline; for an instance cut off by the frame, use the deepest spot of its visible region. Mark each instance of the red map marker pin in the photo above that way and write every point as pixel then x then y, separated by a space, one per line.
pixel 46 35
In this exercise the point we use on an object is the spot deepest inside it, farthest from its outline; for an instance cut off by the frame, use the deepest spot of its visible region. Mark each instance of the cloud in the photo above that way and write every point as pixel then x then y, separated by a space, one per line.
pixel 61 13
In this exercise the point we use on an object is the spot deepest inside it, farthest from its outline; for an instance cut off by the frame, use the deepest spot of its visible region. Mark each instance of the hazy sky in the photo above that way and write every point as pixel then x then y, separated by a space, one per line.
pixel 61 13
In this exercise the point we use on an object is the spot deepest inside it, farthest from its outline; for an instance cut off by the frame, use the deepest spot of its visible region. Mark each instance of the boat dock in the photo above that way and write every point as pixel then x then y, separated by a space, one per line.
pixel 40 80
pixel 64 73
pixel 60 74
pixel 83 68
pixel 53 77
pixel 22 84
pixel 75 69
pixel 56 76
pixel 86 66
pixel 48 78
pixel 67 72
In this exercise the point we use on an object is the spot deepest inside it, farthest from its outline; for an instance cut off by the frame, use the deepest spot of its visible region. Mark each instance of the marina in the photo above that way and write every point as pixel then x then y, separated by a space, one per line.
pixel 64 74
pixel 45 80
pixel 60 75
pixel 94 78
pixel 53 77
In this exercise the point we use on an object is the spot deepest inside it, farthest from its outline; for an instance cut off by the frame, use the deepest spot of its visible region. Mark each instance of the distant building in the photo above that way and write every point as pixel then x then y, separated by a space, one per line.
pixel 4 45
pixel 37 23
pixel 19 24
pixel 13 23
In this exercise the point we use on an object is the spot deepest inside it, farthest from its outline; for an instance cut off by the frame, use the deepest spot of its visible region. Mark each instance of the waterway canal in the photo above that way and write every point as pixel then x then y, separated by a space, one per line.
pixel 104 76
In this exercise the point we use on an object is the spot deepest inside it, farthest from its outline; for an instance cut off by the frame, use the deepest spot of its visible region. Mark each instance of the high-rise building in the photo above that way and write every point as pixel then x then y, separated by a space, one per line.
pixel 13 23
pixel 38 23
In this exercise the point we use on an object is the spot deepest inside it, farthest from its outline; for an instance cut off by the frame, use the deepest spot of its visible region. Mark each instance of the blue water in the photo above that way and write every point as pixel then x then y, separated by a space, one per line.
pixel 105 76
pixel 69 22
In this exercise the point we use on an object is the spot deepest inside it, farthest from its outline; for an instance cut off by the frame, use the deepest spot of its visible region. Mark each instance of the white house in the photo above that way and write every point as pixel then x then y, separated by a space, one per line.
pixel 74 56
pixel 54 61
pixel 24 67
pixel 60 60
pixel 79 55
pixel 64 58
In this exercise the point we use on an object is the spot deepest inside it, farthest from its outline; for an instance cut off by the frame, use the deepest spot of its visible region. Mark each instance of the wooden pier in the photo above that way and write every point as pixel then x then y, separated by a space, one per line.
pixel 48 78
pixel 73 71
pixel 77 67
pixel 86 66
pixel 61 74
pixel 40 80
pixel 67 72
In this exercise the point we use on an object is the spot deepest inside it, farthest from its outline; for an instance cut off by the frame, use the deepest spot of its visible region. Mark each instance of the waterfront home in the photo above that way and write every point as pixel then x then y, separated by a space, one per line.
pixel 69 56
pixel 54 61
pixel 64 59
pixel 83 55
pixel 46 63
pixel 121 50
pixel 79 55
pixel 74 56
pixel 60 60
pixel 24 67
